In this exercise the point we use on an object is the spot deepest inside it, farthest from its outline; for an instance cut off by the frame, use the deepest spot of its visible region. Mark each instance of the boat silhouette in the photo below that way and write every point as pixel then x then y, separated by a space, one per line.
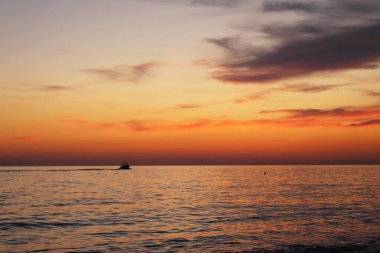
pixel 125 166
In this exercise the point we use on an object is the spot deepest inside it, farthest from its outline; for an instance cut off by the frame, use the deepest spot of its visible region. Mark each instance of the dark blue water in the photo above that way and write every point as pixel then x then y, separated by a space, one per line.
pixel 190 209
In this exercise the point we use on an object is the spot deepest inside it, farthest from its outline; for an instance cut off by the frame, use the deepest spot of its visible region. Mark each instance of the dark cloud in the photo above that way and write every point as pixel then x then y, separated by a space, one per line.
pixel 320 18
pixel 300 30
pixel 358 6
pixel 330 8
pixel 122 73
pixel 356 48
pixel 328 36
pixel 289 6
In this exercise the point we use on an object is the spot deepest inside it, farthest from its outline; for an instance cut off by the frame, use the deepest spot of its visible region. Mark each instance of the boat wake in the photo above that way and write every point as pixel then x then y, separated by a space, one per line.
pixel 58 170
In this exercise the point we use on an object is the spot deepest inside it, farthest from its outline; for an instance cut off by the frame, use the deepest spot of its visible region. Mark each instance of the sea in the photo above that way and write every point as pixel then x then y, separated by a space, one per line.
pixel 190 209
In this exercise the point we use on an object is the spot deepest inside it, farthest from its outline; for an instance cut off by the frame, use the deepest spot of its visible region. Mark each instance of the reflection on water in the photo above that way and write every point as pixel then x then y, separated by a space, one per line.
pixel 190 208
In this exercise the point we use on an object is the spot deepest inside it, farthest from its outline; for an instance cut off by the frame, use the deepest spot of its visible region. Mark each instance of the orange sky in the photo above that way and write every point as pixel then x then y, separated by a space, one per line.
pixel 189 82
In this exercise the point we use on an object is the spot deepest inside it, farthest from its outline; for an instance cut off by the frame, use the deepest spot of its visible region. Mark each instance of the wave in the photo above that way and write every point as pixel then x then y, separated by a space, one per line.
pixel 26 225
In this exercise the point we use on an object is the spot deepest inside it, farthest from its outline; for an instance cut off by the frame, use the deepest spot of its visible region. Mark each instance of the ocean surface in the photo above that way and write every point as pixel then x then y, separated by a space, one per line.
pixel 190 209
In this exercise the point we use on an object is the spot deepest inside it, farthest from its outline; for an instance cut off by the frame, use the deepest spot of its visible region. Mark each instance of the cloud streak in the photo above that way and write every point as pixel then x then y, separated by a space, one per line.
pixel 336 112
pixel 189 106
pixel 124 73
pixel 366 123
pixel 372 93
pixel 54 88
pixel 304 88
pixel 307 88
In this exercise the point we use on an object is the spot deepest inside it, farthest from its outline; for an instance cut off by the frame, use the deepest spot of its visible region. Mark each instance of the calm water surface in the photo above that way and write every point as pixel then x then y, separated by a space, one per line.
pixel 190 209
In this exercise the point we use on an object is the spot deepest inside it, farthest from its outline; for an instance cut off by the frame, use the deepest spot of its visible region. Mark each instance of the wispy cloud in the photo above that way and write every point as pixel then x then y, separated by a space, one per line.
pixel 54 87
pixel 189 106
pixel 124 73
pixel 146 126
pixel 304 88
pixel 85 123
pixel 365 123
pixel 38 87
pixel 308 88
pixel 372 93
pixel 253 97
pixel 336 112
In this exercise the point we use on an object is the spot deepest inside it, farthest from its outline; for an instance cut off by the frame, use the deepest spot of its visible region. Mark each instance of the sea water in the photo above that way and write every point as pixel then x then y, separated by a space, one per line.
pixel 190 209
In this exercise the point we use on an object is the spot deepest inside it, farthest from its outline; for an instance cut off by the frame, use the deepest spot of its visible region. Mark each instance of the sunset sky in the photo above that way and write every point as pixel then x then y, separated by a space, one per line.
pixel 87 82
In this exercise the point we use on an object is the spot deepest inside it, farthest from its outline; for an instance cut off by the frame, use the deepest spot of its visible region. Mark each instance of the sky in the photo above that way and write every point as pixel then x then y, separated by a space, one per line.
pixel 94 82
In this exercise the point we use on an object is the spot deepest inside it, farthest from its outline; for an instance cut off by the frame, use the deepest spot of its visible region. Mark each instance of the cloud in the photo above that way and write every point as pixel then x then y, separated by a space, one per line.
pixel 85 123
pixel 336 112
pixel 189 106
pixel 203 63
pixel 54 87
pixel 216 3
pixel 328 36
pixel 203 3
pixel 308 88
pixel 289 6
pixel 124 73
pixel 372 93
pixel 235 47
pixel 366 123
pixel 356 48
pixel 329 8
pixel 305 88
pixel 343 116
pixel 253 97
pixel 149 126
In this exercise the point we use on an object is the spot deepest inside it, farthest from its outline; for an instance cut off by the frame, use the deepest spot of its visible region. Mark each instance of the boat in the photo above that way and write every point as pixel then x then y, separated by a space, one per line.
pixel 125 166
